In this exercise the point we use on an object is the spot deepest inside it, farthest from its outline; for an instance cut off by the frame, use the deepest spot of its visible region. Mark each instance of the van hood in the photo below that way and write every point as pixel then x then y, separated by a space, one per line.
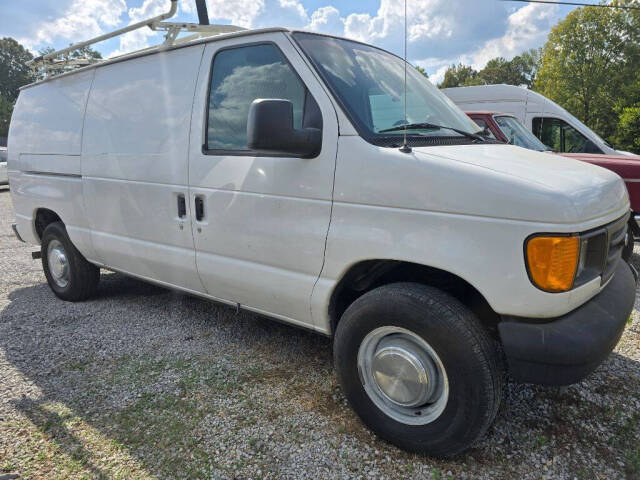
pixel 627 166
pixel 542 186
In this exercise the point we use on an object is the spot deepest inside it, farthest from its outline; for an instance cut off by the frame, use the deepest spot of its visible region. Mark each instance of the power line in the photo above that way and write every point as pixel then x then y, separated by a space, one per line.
pixel 624 7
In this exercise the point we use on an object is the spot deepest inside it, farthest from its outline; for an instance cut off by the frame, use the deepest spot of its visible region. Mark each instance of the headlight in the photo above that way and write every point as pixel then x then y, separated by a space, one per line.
pixel 558 263
pixel 552 261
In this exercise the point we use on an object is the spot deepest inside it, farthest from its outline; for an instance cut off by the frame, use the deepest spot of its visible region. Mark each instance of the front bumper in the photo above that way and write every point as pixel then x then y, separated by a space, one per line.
pixel 568 348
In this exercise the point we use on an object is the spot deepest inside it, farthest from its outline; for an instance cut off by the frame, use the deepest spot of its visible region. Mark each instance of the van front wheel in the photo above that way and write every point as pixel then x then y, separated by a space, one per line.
pixel 69 274
pixel 418 368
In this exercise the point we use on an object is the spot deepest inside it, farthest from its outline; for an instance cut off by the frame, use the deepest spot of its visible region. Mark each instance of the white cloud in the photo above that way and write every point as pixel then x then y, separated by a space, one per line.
pixel 359 26
pixel 148 9
pixel 437 66
pixel 244 13
pixel 295 8
pixel 441 32
pixel 80 20
pixel 326 20
pixel 528 28
pixel 440 26
pixel 438 76
pixel 238 12
pixel 139 39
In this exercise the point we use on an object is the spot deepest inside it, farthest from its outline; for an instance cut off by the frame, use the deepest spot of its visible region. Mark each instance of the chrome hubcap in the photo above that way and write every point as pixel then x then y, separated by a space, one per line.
pixel 403 375
pixel 58 263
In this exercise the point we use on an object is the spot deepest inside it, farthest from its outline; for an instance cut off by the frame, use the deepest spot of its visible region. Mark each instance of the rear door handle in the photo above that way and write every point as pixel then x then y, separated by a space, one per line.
pixel 182 206
pixel 199 203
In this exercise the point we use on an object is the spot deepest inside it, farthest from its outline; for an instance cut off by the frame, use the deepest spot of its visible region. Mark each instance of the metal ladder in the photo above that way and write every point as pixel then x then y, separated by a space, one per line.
pixel 54 61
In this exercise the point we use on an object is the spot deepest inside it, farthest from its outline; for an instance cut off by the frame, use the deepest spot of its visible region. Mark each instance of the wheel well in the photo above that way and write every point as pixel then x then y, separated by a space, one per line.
pixel 44 217
pixel 370 274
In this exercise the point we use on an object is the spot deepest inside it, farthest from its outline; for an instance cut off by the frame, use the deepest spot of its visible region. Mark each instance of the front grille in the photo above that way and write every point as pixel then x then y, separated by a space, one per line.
pixel 616 234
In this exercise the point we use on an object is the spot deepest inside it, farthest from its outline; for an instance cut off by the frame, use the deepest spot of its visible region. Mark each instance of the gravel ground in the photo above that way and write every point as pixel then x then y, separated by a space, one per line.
pixel 142 382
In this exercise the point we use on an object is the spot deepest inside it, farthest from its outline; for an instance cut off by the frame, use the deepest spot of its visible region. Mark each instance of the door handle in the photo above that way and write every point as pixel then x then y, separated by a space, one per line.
pixel 182 206
pixel 199 203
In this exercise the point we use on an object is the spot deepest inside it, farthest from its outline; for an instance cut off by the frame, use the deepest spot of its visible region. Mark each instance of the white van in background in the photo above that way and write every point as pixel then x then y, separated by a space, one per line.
pixel 268 170
pixel 552 124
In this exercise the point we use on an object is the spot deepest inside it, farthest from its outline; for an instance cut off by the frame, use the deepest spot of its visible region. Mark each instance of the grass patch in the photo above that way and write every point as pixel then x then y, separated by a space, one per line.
pixel 191 374
pixel 56 443
pixel 157 431
pixel 542 441
pixel 632 463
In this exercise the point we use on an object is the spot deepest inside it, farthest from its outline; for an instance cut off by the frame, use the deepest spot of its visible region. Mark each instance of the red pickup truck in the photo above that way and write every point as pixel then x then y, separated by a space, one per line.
pixel 507 128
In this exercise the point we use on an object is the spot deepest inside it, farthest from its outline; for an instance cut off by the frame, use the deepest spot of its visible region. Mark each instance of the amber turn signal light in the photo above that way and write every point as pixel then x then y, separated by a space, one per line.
pixel 552 262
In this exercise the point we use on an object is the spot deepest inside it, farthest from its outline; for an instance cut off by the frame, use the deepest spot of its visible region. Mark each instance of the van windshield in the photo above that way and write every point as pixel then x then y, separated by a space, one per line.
pixel 369 83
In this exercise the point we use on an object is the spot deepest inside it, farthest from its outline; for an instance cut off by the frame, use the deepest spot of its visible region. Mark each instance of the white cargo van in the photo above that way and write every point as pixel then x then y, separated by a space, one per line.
pixel 264 169
pixel 552 124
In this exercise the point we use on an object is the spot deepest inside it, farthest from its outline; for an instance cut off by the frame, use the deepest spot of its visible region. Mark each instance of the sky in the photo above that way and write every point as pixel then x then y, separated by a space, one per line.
pixel 440 32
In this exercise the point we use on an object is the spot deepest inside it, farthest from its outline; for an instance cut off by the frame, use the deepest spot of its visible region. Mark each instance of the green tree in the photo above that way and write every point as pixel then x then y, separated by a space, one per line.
pixel 460 76
pixel 422 71
pixel 521 70
pixel 6 109
pixel 528 64
pixel 628 134
pixel 14 73
pixel 498 70
pixel 589 64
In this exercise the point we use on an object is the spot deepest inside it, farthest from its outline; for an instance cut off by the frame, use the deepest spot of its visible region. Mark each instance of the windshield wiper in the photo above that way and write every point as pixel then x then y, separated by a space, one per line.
pixel 418 126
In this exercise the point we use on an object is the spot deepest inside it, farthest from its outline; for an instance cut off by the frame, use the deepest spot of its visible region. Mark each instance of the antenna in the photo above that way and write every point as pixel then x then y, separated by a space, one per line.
pixel 203 15
pixel 405 148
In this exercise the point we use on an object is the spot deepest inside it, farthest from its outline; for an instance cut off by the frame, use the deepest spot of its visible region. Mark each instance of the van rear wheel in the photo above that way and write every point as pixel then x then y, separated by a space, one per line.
pixel 69 274
pixel 418 368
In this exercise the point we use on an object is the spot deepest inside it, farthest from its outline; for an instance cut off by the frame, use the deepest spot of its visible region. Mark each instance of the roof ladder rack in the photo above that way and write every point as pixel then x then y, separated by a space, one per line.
pixel 50 61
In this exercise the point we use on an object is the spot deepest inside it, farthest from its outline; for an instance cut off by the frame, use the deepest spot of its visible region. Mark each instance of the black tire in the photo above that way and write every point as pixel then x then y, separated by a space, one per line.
pixel 627 251
pixel 83 277
pixel 471 359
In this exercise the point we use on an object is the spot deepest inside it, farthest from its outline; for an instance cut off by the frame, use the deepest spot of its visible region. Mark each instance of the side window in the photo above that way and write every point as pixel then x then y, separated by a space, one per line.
pixel 562 137
pixel 548 130
pixel 575 142
pixel 239 76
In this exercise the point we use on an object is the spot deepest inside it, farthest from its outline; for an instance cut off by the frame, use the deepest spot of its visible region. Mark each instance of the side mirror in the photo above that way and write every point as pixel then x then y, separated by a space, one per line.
pixel 270 130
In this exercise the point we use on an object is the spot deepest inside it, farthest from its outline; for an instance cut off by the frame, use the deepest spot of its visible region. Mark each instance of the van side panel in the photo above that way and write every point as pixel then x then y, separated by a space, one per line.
pixel 134 165
pixel 431 209
pixel 45 139
pixel 48 117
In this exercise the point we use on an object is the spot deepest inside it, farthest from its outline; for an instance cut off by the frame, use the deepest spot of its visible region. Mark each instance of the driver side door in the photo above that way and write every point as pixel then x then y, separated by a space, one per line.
pixel 561 137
